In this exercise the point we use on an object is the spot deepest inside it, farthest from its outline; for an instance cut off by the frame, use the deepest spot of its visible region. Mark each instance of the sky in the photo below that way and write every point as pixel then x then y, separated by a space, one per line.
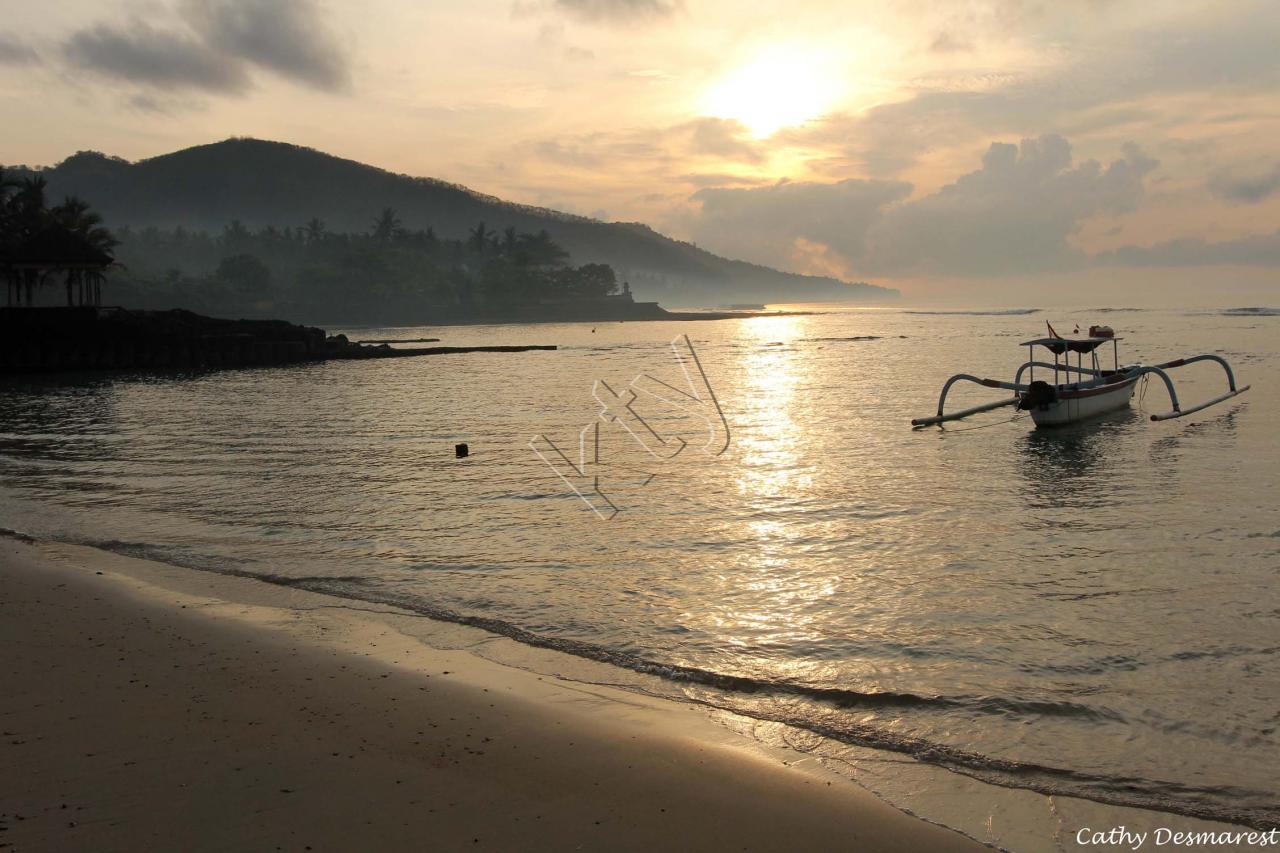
pixel 989 150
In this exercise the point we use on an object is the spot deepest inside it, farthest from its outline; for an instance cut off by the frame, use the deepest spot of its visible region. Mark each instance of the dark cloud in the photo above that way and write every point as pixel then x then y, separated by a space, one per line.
pixel 762 224
pixel 215 50
pixel 616 11
pixel 146 104
pixel 285 36
pixel 1256 250
pixel 158 58
pixel 1246 189
pixel 1012 216
pixel 15 51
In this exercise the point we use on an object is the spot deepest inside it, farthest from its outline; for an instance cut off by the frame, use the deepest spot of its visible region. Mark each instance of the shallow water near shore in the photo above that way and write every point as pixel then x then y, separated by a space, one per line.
pixel 1089 611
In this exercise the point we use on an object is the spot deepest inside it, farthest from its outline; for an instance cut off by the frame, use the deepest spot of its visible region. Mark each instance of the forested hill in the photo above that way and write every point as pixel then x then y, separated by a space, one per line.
pixel 264 184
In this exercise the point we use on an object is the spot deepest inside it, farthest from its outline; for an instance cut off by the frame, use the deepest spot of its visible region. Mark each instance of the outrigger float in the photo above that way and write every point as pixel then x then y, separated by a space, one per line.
pixel 1095 390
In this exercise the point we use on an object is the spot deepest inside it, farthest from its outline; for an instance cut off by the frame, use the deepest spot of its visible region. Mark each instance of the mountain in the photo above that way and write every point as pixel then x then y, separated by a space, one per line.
pixel 264 183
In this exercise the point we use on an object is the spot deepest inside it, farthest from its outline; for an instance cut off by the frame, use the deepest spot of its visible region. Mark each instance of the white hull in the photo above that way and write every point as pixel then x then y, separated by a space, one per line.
pixel 1072 406
pixel 1099 391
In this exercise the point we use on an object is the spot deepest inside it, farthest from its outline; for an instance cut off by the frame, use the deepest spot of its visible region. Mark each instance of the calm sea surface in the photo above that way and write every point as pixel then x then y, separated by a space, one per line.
pixel 1090 610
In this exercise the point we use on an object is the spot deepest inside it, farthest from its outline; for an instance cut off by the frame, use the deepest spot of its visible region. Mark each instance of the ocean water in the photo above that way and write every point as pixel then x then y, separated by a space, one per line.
pixel 1089 611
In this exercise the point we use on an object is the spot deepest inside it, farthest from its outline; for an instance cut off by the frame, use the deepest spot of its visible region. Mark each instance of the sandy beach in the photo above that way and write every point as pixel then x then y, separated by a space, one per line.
pixel 147 707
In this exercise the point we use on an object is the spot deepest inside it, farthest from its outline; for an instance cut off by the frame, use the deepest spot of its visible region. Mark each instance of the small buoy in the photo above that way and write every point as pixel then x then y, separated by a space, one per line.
pixel 461 451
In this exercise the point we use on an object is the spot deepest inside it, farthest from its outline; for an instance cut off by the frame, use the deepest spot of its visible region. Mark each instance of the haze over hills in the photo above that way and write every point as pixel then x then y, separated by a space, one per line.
pixel 263 183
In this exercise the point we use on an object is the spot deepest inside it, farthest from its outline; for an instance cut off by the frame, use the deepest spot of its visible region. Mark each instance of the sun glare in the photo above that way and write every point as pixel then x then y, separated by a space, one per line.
pixel 779 88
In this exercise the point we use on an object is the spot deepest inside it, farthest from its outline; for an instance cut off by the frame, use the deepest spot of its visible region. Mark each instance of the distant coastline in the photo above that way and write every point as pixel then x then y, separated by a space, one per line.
pixel 633 312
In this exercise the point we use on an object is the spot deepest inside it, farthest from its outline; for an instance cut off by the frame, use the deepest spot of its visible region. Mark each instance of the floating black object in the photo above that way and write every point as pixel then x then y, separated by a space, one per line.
pixel 461 451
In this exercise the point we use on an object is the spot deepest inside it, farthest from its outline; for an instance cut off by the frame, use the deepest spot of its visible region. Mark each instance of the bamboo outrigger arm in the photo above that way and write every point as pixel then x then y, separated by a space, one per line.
pixel 1177 411
pixel 964 413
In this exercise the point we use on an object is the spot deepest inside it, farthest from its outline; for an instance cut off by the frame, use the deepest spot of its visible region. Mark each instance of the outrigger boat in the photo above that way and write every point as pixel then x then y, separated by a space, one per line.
pixel 1078 391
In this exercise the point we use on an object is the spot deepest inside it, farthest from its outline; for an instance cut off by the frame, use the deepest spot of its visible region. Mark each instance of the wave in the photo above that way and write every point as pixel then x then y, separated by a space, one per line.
pixel 1005 312
pixel 1251 312
pixel 735 693
pixel 853 338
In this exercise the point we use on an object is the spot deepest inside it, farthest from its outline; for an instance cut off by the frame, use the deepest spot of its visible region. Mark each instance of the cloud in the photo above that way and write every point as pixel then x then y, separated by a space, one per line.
pixel 285 36
pixel 722 138
pixel 576 155
pixel 222 40
pixel 158 58
pixel 1014 215
pixel 651 148
pixel 763 224
pixel 1080 86
pixel 1246 189
pixel 721 179
pixel 15 51
pixel 1256 250
pixel 946 42
pixel 616 11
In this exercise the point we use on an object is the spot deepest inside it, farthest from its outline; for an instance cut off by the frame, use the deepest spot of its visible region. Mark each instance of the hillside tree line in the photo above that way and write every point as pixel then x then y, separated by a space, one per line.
pixel 386 273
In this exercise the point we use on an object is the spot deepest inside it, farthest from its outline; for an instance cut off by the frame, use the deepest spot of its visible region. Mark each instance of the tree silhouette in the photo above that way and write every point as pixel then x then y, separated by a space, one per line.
pixel 386 226
pixel 36 241
pixel 314 230
pixel 541 251
pixel 75 216
pixel 479 239
pixel 235 235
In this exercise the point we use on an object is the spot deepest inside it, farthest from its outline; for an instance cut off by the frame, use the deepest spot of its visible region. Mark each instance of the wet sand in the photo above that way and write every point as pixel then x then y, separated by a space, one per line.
pixel 149 707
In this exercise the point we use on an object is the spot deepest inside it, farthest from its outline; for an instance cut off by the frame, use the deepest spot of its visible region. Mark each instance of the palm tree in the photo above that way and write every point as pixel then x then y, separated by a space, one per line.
pixel 386 226
pixel 27 206
pixel 235 235
pixel 314 230
pixel 75 216
pixel 541 250
pixel 8 212
pixel 479 238
pixel 31 192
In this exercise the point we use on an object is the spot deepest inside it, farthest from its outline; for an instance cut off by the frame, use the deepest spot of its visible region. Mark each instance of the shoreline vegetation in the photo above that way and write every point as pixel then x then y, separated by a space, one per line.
pixel 389 276
pixel 159 708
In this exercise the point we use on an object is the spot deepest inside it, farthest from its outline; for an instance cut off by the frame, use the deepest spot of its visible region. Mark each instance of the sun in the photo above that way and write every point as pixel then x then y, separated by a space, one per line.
pixel 780 87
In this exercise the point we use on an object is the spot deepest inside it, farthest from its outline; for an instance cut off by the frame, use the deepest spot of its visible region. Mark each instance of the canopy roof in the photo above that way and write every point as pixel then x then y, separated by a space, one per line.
pixel 1061 345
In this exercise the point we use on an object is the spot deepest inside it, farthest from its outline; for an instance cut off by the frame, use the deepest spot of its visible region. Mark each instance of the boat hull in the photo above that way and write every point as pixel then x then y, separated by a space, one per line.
pixel 1078 405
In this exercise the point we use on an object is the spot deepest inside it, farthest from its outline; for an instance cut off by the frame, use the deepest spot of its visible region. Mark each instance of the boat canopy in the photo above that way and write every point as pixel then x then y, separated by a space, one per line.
pixel 1061 345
